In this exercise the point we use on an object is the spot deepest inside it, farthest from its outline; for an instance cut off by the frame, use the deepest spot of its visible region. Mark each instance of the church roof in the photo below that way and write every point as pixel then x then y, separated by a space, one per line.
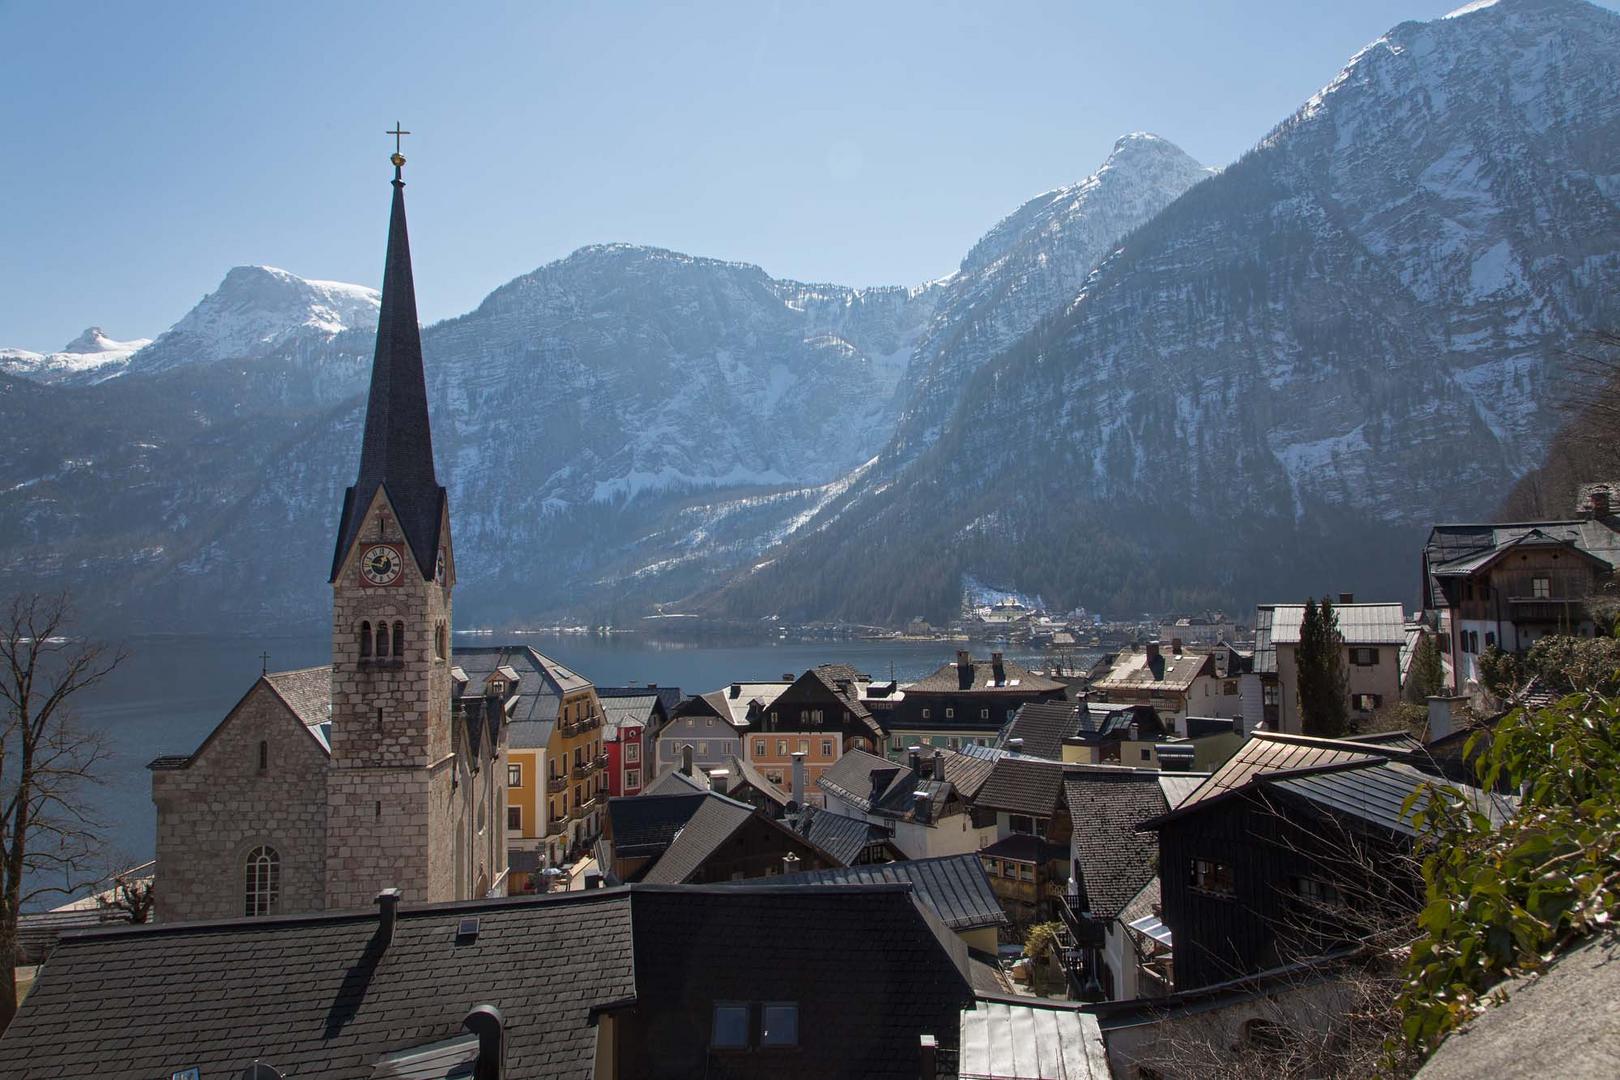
pixel 396 451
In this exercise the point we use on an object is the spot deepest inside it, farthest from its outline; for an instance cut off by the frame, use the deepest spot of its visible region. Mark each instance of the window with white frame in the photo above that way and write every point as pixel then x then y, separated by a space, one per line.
pixel 263 882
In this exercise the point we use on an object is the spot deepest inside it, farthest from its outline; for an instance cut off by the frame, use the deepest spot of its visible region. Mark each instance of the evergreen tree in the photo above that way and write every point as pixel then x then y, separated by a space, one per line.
pixel 1426 676
pixel 1324 708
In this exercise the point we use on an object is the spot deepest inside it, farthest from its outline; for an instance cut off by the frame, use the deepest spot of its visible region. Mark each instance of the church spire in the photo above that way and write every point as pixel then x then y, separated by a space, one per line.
pixel 396 451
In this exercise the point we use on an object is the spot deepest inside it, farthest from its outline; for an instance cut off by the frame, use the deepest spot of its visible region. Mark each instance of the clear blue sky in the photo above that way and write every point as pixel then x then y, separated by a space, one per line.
pixel 150 147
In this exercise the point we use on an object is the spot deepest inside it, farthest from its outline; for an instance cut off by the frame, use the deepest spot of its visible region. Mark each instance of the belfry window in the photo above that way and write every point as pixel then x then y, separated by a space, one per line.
pixel 365 639
pixel 382 639
pixel 263 882
pixel 399 639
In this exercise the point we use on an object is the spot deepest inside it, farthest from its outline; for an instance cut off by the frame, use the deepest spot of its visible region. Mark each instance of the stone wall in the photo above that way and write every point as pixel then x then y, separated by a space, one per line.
pixel 216 810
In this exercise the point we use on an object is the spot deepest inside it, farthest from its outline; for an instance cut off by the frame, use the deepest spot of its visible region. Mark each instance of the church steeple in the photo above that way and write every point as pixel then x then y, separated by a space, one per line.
pixel 396 452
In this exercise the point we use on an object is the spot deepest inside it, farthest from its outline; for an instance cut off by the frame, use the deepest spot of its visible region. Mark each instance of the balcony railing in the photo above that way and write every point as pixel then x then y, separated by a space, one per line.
pixel 555 826
pixel 556 783
pixel 570 728
pixel 590 768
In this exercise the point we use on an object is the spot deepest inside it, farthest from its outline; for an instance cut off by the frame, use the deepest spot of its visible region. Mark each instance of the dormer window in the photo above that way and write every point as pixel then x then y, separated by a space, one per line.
pixel 495 687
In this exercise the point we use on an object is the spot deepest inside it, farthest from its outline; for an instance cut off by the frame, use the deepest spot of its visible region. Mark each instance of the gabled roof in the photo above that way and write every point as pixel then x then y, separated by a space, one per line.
pixel 669 696
pixel 319 994
pixel 306 693
pixel 954 887
pixel 734 700
pixel 1359 624
pixel 1270 751
pixel 967 772
pixel 865 780
pixel 1136 671
pixel 638 710
pixel 842 837
pixel 979 676
pixel 1463 549
pixel 541 684
pixel 673 782
pixel 715 820
pixel 746 774
pixel 1376 793
pixel 1022 786
pixel 1113 860
pixel 1043 725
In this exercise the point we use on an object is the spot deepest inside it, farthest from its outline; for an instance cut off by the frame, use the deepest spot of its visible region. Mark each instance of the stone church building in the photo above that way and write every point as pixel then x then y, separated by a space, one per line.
pixel 385 769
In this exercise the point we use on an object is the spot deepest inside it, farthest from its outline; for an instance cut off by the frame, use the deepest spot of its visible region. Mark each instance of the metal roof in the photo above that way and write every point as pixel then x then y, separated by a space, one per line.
pixel 1004 1041
pixel 1377 793
pixel 955 887
pixel 1154 928
pixel 1359 624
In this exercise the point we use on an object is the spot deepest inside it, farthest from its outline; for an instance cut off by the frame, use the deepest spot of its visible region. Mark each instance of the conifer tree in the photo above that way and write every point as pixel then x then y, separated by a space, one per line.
pixel 1427 675
pixel 1319 664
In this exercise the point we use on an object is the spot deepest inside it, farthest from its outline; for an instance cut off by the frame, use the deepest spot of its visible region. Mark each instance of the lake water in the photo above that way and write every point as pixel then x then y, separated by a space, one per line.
pixel 172 691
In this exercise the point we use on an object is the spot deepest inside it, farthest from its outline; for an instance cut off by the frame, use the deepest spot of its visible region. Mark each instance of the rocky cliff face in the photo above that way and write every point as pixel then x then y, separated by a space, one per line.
pixel 1272 386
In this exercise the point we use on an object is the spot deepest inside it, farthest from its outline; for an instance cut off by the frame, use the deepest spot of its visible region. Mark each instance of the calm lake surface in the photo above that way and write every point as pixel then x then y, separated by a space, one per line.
pixel 172 691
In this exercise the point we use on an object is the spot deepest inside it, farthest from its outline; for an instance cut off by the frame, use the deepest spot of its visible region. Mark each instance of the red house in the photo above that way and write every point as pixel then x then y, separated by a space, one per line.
pixel 632 715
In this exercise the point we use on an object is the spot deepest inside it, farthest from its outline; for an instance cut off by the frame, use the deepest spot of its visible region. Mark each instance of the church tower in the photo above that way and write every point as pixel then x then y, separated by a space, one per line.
pixel 393 809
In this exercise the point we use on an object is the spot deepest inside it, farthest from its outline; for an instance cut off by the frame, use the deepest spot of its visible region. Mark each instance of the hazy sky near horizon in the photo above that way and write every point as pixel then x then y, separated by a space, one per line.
pixel 150 147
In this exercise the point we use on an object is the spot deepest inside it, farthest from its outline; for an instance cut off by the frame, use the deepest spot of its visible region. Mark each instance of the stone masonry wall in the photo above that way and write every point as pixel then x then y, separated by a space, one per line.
pixel 213 812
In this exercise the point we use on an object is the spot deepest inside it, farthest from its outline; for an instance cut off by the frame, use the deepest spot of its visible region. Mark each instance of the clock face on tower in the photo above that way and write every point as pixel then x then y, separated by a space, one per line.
pixel 381 565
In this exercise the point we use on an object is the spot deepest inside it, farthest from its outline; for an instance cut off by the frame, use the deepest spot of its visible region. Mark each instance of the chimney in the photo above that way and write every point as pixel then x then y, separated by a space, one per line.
pixel 914 759
pixel 964 669
pixel 736 689
pixel 686 759
pixel 790 863
pixel 485 1021
pixel 1015 745
pixel 920 804
pixel 387 915
pixel 1153 650
pixel 1598 500
pixel 1175 646
pixel 998 669
pixel 720 780
pixel 787 676
pixel 1347 598
pixel 927 1056
pixel 939 764
pixel 798 779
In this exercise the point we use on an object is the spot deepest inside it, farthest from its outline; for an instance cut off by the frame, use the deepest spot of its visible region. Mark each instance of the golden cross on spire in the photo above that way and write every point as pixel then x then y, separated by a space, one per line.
pixel 398 158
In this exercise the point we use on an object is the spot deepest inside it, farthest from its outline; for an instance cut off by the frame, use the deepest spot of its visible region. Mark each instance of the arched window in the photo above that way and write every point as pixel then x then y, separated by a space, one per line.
pixel 264 755
pixel 365 640
pixel 263 882
pixel 438 641
pixel 399 639
pixel 382 639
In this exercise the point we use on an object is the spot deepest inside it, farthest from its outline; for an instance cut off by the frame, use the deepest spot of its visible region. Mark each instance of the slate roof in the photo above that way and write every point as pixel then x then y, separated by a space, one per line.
pixel 396 448
pixel 841 836
pixel 307 692
pixel 980 677
pixel 714 821
pixel 645 824
pixel 1113 861
pixel 1022 786
pixel 954 887
pixel 1007 1040
pixel 673 782
pixel 733 700
pixel 869 967
pixel 639 709
pixel 1178 785
pixel 968 772
pixel 1359 624
pixel 866 780
pixel 1043 725
pixel 746 773
pixel 541 684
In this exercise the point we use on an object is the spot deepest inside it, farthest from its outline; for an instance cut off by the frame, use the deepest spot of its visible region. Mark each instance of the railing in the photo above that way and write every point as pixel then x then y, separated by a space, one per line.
pixel 555 826
pixel 570 728
pixel 557 783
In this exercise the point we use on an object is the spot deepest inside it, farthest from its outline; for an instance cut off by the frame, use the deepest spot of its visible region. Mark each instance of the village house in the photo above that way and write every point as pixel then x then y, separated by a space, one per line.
pixel 1510 585
pixel 709 728
pixel 698 838
pixel 1086 732
pixel 1289 851
pixel 1177 682
pixel 1374 639
pixel 635 982
pixel 631 718
pixel 916 802
pixel 1028 862
pixel 816 720
pixel 964 703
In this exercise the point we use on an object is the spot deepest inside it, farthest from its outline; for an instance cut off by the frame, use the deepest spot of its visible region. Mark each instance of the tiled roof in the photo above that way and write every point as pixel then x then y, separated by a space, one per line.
pixel 744 772
pixel 955 887
pixel 1359 624
pixel 979 677
pixel 967 772
pixel 714 821
pixel 645 824
pixel 673 782
pixel 1113 860
pixel 1022 786
pixel 870 969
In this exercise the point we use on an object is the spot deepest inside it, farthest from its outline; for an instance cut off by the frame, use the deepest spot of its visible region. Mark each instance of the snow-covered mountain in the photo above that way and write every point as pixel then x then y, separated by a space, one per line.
pixel 257 310
pixel 1274 385
pixel 90 357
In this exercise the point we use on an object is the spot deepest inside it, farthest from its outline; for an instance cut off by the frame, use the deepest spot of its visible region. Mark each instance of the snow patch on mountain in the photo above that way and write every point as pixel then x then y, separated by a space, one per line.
pixel 90 357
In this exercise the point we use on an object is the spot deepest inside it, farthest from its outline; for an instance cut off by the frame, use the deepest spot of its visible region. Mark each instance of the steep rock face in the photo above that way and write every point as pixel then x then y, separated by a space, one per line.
pixel 1027 268
pixel 1278 381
